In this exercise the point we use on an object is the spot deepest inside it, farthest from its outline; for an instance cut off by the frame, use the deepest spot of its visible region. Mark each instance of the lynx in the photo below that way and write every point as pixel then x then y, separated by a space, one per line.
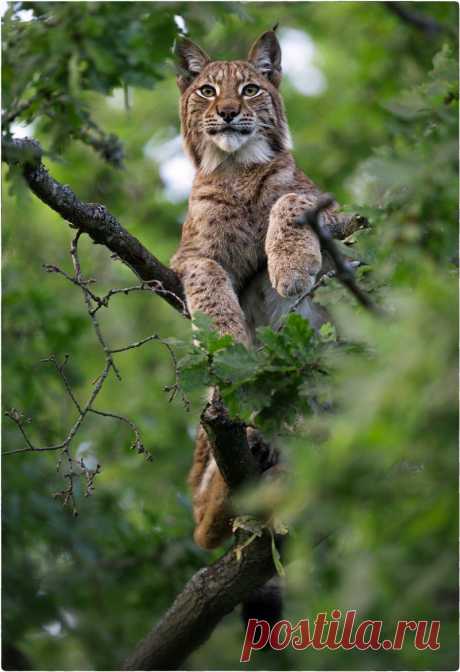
pixel 246 197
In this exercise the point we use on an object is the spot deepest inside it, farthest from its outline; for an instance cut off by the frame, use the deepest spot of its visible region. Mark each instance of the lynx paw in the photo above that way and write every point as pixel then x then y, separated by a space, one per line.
pixel 290 282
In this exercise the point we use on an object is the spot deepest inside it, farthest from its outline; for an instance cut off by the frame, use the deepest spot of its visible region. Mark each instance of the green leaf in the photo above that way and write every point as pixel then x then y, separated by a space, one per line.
pixel 328 333
pixel 276 557
pixel 207 336
pixel 235 365
pixel 193 371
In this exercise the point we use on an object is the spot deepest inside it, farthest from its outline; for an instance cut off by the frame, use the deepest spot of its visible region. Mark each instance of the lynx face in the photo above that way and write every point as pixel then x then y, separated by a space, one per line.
pixel 232 109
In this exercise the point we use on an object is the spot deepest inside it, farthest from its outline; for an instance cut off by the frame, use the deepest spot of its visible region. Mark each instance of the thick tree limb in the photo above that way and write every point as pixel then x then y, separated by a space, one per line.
pixel 93 219
pixel 211 594
pixel 231 450
pixel 213 591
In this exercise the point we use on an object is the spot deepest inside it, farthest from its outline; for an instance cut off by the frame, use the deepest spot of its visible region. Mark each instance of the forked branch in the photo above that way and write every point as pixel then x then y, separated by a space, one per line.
pixel 76 468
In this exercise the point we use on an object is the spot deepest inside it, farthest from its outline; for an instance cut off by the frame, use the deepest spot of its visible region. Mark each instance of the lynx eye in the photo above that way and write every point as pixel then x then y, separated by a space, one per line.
pixel 207 91
pixel 250 90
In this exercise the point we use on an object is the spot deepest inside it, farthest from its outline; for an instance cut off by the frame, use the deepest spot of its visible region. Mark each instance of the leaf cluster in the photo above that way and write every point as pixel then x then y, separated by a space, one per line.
pixel 69 51
pixel 269 386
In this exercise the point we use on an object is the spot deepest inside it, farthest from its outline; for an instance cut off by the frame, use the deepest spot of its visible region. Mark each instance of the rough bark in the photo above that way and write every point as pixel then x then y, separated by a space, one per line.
pixel 231 450
pixel 211 594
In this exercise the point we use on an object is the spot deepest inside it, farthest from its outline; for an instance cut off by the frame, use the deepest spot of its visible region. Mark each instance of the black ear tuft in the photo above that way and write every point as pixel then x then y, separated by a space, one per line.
pixel 191 60
pixel 265 55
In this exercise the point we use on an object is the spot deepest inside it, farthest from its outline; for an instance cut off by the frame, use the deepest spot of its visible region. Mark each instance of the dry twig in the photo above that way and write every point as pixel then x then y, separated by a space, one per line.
pixel 77 468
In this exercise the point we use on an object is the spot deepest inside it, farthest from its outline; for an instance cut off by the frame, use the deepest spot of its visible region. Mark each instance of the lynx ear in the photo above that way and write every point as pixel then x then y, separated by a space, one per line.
pixel 265 56
pixel 191 60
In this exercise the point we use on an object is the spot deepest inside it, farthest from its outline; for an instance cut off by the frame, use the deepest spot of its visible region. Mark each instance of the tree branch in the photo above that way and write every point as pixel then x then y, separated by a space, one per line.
pixel 213 591
pixel 230 445
pixel 422 22
pixel 343 269
pixel 95 220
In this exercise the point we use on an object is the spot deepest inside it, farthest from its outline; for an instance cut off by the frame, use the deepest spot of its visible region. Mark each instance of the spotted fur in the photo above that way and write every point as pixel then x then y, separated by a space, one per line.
pixel 245 199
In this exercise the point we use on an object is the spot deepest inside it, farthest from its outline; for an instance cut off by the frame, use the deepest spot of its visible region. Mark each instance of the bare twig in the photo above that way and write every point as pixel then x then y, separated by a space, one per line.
pixel 77 468
pixel 75 427
pixel 322 281
pixel 87 295
pixel 137 444
pixel 60 369
pixel 19 418
pixel 172 389
pixel 92 302
pixel 153 286
pixel 103 301
pixel 310 292
pixel 137 344
pixel 52 268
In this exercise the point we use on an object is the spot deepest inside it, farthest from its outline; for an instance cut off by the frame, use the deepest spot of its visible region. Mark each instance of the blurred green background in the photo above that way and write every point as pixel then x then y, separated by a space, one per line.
pixel 372 101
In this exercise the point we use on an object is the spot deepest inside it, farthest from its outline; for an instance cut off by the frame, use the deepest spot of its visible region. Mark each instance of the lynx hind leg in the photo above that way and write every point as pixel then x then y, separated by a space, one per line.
pixel 211 504
pixel 212 507
pixel 293 252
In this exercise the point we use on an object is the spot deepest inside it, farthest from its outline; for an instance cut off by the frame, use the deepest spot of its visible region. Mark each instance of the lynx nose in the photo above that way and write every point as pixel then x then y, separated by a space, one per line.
pixel 228 113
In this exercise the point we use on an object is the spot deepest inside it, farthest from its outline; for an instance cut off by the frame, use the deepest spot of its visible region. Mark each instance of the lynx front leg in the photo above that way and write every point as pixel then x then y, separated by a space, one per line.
pixel 208 289
pixel 293 252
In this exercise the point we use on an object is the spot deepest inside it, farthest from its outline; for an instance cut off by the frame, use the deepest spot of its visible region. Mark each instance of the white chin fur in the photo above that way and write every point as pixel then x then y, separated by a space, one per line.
pixel 230 142
pixel 240 149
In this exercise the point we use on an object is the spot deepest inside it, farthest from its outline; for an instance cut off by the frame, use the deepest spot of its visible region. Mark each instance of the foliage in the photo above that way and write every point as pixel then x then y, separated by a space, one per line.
pixel 67 51
pixel 366 411
pixel 269 386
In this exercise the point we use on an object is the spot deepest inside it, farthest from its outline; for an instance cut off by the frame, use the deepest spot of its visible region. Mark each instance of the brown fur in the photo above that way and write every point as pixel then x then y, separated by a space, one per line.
pixel 245 198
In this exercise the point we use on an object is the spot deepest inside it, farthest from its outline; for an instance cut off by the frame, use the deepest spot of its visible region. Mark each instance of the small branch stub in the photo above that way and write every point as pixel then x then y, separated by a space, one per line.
pixel 343 270
pixel 230 445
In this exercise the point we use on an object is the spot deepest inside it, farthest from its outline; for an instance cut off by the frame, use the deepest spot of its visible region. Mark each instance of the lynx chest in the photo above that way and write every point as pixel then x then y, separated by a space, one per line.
pixel 228 218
